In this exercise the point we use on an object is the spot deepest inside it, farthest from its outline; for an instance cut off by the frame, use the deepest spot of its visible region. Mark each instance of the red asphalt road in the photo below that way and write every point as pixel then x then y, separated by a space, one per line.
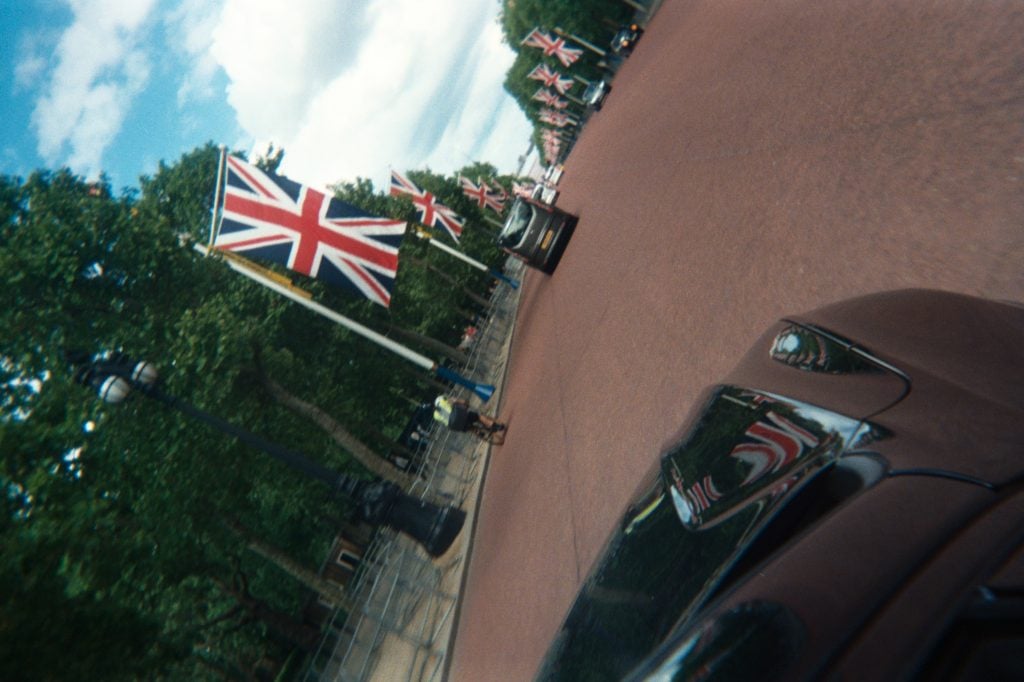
pixel 753 160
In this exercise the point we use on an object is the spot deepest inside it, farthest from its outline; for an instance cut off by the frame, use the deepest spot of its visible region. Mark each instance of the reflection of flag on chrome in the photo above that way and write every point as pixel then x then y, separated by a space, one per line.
pixel 270 217
pixel 553 47
pixel 777 442
pixel 432 212
pixel 551 78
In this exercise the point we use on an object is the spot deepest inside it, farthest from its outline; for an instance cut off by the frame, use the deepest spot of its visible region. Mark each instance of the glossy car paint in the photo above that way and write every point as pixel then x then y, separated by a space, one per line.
pixel 536 233
pixel 873 575
pixel 625 39
pixel 595 94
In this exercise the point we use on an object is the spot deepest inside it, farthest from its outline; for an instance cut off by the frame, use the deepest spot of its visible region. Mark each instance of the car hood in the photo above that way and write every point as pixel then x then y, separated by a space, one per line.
pixel 698 509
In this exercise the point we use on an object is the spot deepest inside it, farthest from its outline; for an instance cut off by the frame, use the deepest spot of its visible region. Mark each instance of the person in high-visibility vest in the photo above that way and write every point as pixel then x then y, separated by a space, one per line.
pixel 456 415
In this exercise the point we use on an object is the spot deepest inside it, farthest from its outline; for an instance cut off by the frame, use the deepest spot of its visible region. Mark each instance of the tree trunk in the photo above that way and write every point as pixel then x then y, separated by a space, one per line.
pixel 328 590
pixel 226 671
pixel 364 455
pixel 390 443
pixel 468 315
pixel 433 344
pixel 473 296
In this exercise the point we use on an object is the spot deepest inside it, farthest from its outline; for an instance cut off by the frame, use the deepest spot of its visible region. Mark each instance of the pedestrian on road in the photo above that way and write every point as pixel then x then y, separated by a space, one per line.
pixel 456 415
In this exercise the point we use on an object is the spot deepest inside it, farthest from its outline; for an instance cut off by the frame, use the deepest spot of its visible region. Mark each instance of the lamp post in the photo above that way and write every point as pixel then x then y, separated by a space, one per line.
pixel 115 376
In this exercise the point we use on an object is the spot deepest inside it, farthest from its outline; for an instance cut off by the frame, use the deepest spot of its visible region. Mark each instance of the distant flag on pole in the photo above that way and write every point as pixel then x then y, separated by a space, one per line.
pixel 270 217
pixel 552 143
pixel 496 191
pixel 432 212
pixel 549 135
pixel 481 195
pixel 551 78
pixel 550 98
pixel 555 118
pixel 553 47
pixel 522 190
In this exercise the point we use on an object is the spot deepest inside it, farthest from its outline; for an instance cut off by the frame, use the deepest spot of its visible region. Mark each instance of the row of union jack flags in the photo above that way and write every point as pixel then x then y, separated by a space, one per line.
pixel 555 113
pixel 269 217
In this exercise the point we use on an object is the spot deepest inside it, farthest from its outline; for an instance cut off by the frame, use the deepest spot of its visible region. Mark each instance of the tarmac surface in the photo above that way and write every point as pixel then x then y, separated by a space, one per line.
pixel 753 160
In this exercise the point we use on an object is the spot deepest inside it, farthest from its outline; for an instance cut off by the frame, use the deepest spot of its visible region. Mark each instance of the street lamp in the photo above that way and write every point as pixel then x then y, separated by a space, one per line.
pixel 115 376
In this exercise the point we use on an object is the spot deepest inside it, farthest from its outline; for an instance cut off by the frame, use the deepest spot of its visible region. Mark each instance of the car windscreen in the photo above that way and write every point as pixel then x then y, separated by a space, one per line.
pixel 516 223
pixel 690 521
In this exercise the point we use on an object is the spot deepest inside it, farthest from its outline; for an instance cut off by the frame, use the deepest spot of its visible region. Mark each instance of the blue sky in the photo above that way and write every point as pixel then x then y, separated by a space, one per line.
pixel 347 87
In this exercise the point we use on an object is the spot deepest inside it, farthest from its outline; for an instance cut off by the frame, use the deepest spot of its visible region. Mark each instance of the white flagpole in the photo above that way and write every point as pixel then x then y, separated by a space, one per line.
pixel 216 195
pixel 410 355
pixel 483 391
pixel 423 234
pixel 590 46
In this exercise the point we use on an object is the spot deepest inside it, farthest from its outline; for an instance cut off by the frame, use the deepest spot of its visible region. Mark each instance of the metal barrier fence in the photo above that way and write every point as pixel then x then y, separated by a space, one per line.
pixel 401 597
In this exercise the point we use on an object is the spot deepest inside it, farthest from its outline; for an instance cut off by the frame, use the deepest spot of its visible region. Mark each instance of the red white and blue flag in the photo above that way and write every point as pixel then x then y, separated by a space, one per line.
pixel 550 98
pixel 482 195
pixel 555 118
pixel 553 47
pixel 522 190
pixel 551 78
pixel 432 212
pixel 270 217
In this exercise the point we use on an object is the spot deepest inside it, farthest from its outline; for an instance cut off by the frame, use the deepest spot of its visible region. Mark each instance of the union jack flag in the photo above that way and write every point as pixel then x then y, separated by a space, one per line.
pixel 432 212
pixel 551 151
pixel 555 118
pixel 549 135
pixel 482 195
pixel 551 78
pixel 553 47
pixel 550 98
pixel 496 191
pixel 521 190
pixel 270 217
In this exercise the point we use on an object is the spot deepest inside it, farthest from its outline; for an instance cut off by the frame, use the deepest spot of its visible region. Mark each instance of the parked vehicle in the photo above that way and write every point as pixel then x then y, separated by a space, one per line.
pixel 847 504
pixel 625 39
pixel 595 93
pixel 544 193
pixel 553 174
pixel 536 233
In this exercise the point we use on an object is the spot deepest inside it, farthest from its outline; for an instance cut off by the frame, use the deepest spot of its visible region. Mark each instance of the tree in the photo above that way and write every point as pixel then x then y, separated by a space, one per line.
pixel 115 511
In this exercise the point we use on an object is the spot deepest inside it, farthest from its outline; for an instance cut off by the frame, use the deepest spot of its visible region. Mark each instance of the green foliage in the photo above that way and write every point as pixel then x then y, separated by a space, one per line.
pixel 118 552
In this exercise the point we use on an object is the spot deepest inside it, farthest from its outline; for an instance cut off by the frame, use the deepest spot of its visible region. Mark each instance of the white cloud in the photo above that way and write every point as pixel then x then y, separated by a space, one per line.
pixel 346 87
pixel 99 69
pixel 349 88
pixel 32 66
pixel 190 26
pixel 278 55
